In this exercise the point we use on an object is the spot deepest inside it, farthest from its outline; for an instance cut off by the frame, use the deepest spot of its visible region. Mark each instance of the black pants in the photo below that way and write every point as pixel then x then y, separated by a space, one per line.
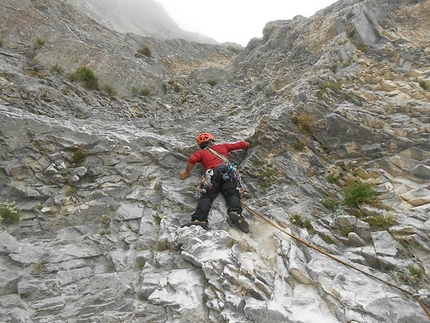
pixel 229 192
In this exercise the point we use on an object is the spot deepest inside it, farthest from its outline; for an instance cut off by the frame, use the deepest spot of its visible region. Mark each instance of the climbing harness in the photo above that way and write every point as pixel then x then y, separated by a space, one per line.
pixel 414 296
pixel 228 171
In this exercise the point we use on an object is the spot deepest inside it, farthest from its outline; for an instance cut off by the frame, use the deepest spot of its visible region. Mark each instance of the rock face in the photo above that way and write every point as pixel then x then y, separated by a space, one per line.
pixel 124 63
pixel 323 101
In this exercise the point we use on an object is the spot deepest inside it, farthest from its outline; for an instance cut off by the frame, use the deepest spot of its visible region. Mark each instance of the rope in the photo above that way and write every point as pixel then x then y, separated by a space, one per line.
pixel 309 245
pixel 414 296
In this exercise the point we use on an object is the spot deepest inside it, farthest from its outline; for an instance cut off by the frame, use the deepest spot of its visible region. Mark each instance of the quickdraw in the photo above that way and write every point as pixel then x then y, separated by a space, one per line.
pixel 231 173
pixel 204 184
pixel 240 186
pixel 226 171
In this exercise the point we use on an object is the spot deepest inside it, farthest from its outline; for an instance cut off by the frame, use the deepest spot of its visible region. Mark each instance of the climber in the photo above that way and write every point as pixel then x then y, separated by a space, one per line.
pixel 219 176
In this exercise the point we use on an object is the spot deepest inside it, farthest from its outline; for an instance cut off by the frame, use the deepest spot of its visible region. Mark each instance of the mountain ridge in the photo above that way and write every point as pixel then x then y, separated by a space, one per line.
pixel 145 18
pixel 337 98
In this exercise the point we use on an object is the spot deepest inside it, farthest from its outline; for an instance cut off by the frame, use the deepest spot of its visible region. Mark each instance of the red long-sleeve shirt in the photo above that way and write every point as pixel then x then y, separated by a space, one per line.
pixel 208 160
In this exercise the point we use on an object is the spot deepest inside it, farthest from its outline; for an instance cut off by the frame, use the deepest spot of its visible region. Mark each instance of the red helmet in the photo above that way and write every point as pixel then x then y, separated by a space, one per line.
pixel 203 137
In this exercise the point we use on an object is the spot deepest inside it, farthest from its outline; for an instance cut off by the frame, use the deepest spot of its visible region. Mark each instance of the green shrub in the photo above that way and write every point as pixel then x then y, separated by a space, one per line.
pixel 105 219
pixel 359 192
pixel 86 77
pixel 79 156
pixel 37 269
pixel 158 217
pixel 233 49
pixel 347 63
pixel 329 85
pixel 145 91
pixel 334 67
pixel 329 239
pixel 34 72
pixel 415 271
pixel 303 122
pixel 423 85
pixel 334 86
pixel 379 223
pixel 212 82
pixel 330 203
pixel 110 91
pixel 307 223
pixel 361 47
pixel 345 231
pixel 140 262
pixel 231 243
pixel 9 213
pixel 299 146
pixel 257 162
pixel 70 191
pixel 134 91
pixel 145 50
pixel 333 178
pixel 57 69
pixel 296 219
pixel 267 177
pixel 39 42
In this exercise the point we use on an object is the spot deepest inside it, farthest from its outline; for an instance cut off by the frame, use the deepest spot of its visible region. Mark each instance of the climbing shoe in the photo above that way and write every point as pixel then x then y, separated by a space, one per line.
pixel 203 224
pixel 238 219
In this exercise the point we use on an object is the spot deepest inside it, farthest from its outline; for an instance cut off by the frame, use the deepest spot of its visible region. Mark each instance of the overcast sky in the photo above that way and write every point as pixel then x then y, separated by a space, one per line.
pixel 236 20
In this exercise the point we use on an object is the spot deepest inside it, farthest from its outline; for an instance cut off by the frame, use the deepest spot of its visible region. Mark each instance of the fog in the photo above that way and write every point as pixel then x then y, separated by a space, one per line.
pixel 236 20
